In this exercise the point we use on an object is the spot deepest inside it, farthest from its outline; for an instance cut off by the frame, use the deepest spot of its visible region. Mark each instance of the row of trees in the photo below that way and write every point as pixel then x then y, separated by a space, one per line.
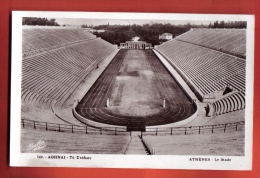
pixel 117 34
pixel 39 21
pixel 86 26
pixel 229 24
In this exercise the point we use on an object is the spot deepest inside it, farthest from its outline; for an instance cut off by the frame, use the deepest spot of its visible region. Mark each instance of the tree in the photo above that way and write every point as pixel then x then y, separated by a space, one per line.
pixel 39 21
pixel 229 24
pixel 210 26
pixel 221 24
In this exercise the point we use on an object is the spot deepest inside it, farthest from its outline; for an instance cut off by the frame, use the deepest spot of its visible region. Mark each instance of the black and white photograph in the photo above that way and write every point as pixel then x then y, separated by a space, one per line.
pixel 132 90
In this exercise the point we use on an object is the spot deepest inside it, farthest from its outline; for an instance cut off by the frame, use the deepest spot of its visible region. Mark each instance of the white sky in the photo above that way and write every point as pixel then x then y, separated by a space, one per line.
pixel 96 22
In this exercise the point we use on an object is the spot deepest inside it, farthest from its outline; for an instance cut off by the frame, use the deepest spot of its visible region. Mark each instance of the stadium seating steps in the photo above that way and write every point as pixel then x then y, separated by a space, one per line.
pixel 37 40
pixel 231 103
pixel 67 55
pixel 232 41
pixel 53 75
pixel 211 60
pixel 206 69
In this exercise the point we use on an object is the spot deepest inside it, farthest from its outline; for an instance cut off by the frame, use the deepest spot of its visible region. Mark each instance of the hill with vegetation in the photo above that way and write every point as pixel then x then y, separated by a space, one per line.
pixel 117 34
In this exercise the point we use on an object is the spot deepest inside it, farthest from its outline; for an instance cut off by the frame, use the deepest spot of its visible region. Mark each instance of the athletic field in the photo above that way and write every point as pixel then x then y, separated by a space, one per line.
pixel 136 83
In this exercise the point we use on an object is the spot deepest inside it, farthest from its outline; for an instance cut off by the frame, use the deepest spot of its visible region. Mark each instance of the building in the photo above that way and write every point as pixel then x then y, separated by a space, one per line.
pixel 165 36
pixel 136 38
pixel 136 45
pixel 91 30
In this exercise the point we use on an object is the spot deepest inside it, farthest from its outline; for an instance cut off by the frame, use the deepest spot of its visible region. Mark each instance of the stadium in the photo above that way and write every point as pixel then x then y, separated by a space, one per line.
pixel 82 94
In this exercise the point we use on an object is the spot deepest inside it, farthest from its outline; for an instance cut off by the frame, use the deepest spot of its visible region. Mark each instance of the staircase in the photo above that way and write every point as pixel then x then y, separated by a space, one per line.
pixel 136 145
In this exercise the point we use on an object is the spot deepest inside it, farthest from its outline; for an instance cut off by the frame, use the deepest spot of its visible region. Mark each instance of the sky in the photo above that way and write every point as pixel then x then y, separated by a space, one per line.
pixel 95 22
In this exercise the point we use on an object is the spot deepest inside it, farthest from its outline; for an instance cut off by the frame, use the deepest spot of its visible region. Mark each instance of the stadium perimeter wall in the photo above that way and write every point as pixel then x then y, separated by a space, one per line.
pixel 95 124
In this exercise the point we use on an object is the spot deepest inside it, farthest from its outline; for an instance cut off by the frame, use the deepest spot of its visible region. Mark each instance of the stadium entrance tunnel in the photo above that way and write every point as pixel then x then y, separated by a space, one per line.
pixel 136 125
pixel 135 128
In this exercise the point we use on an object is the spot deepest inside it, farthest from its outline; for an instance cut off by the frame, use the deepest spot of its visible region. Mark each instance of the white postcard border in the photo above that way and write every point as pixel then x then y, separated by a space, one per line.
pixel 126 161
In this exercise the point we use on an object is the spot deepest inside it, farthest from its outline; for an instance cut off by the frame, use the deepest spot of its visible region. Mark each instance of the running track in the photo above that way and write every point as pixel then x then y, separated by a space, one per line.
pixel 92 106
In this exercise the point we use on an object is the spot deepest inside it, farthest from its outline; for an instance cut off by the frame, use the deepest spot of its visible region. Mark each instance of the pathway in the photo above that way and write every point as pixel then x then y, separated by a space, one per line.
pixel 136 146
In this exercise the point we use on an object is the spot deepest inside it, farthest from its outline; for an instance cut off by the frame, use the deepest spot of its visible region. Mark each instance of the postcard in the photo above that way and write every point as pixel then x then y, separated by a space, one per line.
pixel 132 90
